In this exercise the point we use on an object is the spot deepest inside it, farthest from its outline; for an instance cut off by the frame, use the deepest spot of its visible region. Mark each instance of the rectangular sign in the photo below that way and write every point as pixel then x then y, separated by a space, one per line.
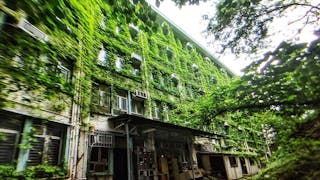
pixel 32 30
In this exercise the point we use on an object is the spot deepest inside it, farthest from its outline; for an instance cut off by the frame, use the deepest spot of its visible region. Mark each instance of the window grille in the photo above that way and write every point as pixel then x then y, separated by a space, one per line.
pixel 101 139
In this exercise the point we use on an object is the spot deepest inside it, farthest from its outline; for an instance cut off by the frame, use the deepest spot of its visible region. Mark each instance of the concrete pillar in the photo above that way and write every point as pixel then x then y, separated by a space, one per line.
pixel 82 155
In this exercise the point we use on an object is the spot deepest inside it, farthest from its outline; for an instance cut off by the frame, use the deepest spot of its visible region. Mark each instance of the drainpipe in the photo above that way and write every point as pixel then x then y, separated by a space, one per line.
pixel 75 118
pixel 128 151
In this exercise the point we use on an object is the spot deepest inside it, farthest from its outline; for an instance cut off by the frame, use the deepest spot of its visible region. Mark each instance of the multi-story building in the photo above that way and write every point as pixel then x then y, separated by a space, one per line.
pixel 90 89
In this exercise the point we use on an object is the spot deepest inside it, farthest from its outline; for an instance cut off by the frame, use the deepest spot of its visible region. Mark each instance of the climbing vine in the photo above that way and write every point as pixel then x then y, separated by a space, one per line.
pixel 76 34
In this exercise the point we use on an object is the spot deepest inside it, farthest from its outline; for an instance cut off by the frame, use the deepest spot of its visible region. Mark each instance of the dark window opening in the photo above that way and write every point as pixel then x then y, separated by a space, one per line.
pixel 233 161
pixel 175 81
pixel 103 57
pixel 170 54
pixel 99 159
pixel 158 111
pixel 134 31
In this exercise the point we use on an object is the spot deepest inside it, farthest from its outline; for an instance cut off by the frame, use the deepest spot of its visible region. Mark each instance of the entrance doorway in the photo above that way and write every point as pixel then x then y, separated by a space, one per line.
pixel 120 164
pixel 218 168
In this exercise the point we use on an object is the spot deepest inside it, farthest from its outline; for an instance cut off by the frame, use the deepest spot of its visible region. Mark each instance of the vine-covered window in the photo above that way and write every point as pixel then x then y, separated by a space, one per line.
pixel 155 76
pixel 103 22
pixel 135 62
pixel 189 46
pixel 101 98
pixel 252 161
pixel 119 63
pixel 64 72
pixel 134 32
pixel 226 128
pixel 10 133
pixel 102 56
pixel 170 54
pixel 157 111
pixel 175 81
pixel 137 106
pixel 165 28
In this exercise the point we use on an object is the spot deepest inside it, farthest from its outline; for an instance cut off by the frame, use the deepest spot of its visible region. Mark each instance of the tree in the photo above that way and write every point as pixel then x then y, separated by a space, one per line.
pixel 280 90
pixel 244 25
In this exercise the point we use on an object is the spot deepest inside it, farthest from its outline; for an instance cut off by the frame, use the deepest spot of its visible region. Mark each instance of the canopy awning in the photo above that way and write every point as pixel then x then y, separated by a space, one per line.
pixel 145 123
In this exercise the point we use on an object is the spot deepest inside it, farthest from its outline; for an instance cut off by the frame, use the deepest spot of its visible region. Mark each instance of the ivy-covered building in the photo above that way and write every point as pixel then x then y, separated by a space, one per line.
pixel 69 73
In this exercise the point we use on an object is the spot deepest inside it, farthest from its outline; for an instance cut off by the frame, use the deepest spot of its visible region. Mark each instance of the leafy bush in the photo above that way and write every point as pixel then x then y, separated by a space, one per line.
pixel 33 172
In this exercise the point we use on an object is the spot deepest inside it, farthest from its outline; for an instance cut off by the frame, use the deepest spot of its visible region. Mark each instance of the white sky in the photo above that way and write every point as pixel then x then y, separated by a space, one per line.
pixel 189 18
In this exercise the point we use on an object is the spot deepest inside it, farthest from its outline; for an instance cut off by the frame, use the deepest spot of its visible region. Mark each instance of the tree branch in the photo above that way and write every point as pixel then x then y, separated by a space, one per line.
pixel 268 105
pixel 285 6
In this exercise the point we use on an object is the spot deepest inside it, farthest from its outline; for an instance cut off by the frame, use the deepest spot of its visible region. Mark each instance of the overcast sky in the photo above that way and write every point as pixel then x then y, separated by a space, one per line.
pixel 189 18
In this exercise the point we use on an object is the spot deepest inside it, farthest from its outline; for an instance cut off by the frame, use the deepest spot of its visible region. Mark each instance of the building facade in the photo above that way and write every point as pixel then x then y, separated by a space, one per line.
pixel 67 71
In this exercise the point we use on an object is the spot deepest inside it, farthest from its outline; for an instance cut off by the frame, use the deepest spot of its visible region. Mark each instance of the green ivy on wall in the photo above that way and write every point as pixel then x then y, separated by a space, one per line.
pixel 76 36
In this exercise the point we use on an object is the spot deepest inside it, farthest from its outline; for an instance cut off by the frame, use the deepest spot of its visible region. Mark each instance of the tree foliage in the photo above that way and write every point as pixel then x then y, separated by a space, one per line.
pixel 244 25
pixel 279 92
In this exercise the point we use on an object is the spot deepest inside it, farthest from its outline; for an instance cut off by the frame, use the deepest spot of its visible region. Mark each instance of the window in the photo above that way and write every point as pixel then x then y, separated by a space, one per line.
pixel 208 59
pixel 189 46
pixel 165 28
pixel 101 139
pixel 226 128
pixel 102 56
pixel 157 111
pixel 8 141
pixel 212 80
pixel 175 80
pixel 18 61
pixel 99 159
pixel 134 31
pixel 155 76
pixel 137 105
pixel 233 161
pixel 101 98
pixel 102 22
pixel 119 63
pixel 47 145
pixel 252 161
pixel 196 71
pixel 64 72
pixel 166 112
pixel 170 54
pixel 120 102
pixel 136 61
pixel 11 128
